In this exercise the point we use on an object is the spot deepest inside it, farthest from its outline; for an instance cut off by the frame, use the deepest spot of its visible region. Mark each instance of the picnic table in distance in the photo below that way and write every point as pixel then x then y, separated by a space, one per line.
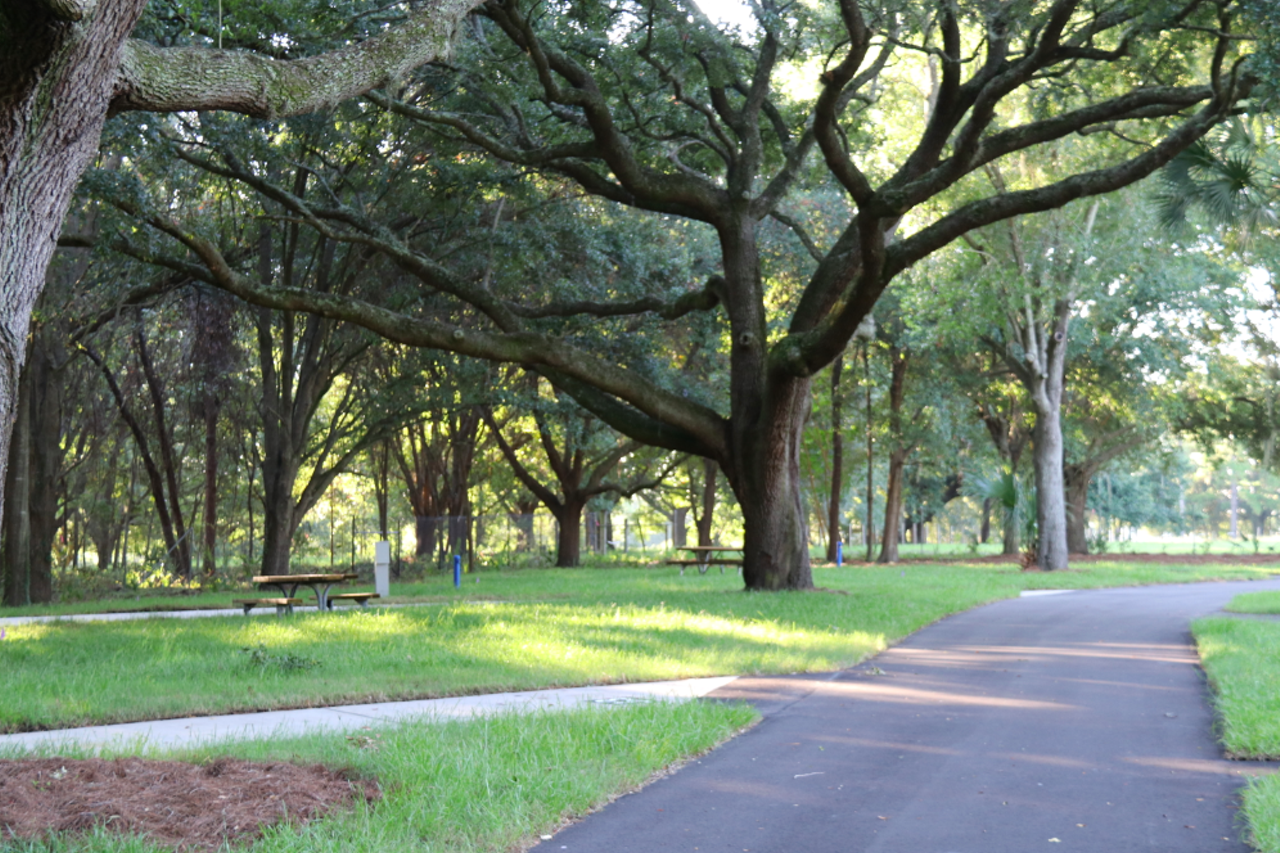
pixel 705 557
pixel 319 584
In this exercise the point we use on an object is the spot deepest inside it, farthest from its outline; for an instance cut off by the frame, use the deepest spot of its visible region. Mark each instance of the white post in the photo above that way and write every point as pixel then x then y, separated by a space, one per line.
pixel 382 569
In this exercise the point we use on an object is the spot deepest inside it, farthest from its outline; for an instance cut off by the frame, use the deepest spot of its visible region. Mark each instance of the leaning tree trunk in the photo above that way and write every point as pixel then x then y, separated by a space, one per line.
pixel 56 80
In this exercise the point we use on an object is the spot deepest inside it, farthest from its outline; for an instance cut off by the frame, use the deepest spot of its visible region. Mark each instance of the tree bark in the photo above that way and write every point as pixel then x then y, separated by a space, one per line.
pixel 837 461
pixel 56 80
pixel 1011 533
pixel 705 520
pixel 893 507
pixel 900 449
pixel 16 557
pixel 1076 480
pixel 766 480
pixel 569 538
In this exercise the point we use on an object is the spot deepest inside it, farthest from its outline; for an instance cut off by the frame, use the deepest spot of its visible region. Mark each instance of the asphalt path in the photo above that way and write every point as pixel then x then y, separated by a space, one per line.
pixel 1070 722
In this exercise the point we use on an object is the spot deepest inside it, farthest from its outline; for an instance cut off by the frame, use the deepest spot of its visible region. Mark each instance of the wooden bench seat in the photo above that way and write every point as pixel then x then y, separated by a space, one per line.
pixel 703 565
pixel 361 598
pixel 282 605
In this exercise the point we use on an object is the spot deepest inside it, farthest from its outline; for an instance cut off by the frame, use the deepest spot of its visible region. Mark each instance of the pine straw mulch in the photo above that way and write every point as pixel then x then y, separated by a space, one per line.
pixel 188 807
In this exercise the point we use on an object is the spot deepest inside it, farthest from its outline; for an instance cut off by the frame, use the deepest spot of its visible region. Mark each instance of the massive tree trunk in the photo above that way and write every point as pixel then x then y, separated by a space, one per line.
pixel 56 80
pixel 766 480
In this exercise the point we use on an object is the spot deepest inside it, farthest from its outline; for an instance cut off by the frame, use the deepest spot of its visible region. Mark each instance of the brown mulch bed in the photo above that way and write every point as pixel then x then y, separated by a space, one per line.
pixel 188 807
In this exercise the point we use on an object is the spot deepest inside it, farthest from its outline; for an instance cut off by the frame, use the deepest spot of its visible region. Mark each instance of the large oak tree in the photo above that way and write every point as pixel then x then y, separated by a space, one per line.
pixel 668 114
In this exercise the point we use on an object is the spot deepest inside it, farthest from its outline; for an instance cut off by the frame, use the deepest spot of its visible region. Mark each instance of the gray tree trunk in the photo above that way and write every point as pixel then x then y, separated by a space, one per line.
pixel 56 81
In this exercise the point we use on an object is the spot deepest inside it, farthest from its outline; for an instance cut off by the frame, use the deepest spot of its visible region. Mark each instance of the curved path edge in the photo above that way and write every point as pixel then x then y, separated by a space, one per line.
pixel 1071 722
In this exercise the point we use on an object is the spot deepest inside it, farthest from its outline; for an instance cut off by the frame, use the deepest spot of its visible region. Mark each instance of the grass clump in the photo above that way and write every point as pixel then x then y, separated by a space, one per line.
pixel 1262 805
pixel 1255 602
pixel 481 785
pixel 1242 659
pixel 261 659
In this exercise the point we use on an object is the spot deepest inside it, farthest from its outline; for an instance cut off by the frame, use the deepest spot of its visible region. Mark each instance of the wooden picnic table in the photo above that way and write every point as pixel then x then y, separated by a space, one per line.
pixel 704 557
pixel 317 583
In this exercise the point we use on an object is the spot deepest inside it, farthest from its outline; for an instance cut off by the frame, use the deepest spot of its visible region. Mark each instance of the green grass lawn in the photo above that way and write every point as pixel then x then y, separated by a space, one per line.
pixel 544 628
pixel 1255 602
pixel 490 784
pixel 1262 806
pixel 1242 660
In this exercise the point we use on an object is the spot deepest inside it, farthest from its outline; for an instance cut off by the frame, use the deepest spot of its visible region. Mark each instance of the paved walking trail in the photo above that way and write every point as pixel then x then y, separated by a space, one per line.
pixel 1056 723
pixel 1076 721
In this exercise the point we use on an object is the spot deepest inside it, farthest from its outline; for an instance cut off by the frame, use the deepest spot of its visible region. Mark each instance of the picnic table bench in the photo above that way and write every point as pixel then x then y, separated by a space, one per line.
pixel 361 598
pixel 319 584
pixel 282 605
pixel 704 558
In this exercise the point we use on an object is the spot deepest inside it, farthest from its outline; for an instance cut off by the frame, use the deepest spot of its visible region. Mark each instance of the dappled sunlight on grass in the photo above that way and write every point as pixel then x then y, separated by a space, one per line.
pixel 551 628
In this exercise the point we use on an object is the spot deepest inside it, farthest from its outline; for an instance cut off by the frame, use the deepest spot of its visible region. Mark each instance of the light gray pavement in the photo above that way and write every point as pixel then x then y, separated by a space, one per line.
pixel 349 718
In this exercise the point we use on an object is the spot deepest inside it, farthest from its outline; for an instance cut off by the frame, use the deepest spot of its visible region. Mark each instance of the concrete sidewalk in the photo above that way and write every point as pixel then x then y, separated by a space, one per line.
pixel 349 718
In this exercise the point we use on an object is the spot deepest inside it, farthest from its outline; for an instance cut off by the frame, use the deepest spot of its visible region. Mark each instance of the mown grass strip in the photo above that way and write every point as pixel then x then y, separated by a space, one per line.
pixel 1262 806
pixel 1255 602
pixel 1242 660
pixel 490 784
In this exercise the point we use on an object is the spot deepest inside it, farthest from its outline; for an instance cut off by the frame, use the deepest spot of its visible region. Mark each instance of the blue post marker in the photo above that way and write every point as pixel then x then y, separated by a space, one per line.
pixel 457 570
pixel 839 553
